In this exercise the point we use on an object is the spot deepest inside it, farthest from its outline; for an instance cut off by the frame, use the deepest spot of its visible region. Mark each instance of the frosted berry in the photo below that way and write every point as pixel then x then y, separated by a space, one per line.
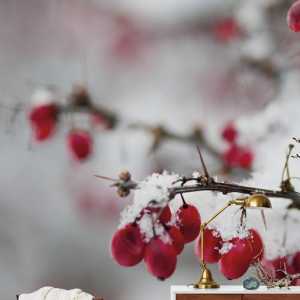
pixel 177 239
pixel 127 246
pixel 226 30
pixel 189 222
pixel 236 261
pixel 43 119
pixel 293 17
pixel 160 258
pixel 237 156
pixel 230 133
pixel 80 144
pixel 213 244
pixel 165 215
pixel 257 245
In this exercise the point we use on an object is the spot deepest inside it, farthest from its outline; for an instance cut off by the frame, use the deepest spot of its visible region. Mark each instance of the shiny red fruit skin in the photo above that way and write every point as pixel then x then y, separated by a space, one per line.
pixel 80 144
pixel 236 261
pixel 293 17
pixel 127 246
pixel 177 239
pixel 230 133
pixel 212 245
pixel 257 245
pixel 160 258
pixel 189 222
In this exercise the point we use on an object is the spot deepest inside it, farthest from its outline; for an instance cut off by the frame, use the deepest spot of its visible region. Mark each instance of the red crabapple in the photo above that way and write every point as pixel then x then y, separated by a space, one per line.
pixel 189 222
pixel 257 245
pixel 213 243
pixel 127 246
pixel 80 143
pixel 177 238
pixel 230 133
pixel 236 261
pixel 160 258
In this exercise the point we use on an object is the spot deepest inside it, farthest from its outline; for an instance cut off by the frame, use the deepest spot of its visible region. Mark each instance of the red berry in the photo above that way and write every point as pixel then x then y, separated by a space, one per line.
pixel 226 30
pixel 127 246
pixel 230 133
pixel 189 222
pixel 296 262
pixel 257 245
pixel 80 144
pixel 236 261
pixel 237 156
pixel 43 120
pixel 212 244
pixel 160 259
pixel 43 112
pixel 44 130
pixel 177 239
pixel 293 17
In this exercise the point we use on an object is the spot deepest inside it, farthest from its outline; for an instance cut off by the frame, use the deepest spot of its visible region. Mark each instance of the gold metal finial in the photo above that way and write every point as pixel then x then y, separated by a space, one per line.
pixel 257 201
pixel 206 281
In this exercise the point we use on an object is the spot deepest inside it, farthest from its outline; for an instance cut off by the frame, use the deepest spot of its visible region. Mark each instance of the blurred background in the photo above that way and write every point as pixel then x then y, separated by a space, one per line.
pixel 178 67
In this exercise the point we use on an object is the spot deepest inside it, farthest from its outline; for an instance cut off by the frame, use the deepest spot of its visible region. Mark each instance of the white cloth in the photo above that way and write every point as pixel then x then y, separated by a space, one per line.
pixel 50 293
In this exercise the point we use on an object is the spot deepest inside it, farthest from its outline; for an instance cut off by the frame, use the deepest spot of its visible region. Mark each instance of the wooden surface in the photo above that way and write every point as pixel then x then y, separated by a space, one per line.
pixel 236 297
pixel 207 297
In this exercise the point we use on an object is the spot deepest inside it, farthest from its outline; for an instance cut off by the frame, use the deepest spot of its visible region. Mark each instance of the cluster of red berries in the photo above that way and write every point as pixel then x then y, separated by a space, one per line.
pixel 44 120
pixel 278 267
pixel 128 246
pixel 235 156
pixel 239 255
pixel 293 17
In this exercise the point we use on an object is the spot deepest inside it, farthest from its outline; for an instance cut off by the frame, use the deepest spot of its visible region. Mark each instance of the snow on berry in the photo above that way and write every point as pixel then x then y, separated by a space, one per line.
pixel 212 246
pixel 236 261
pixel 151 192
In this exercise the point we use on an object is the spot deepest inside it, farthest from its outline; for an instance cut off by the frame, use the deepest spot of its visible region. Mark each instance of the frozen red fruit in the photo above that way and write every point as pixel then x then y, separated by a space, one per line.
pixel 257 245
pixel 189 222
pixel 127 246
pixel 236 261
pixel 43 120
pixel 213 244
pixel 160 258
pixel 80 144
pixel 237 156
pixel 230 133
pixel 177 239
pixel 226 30
pixel 293 17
